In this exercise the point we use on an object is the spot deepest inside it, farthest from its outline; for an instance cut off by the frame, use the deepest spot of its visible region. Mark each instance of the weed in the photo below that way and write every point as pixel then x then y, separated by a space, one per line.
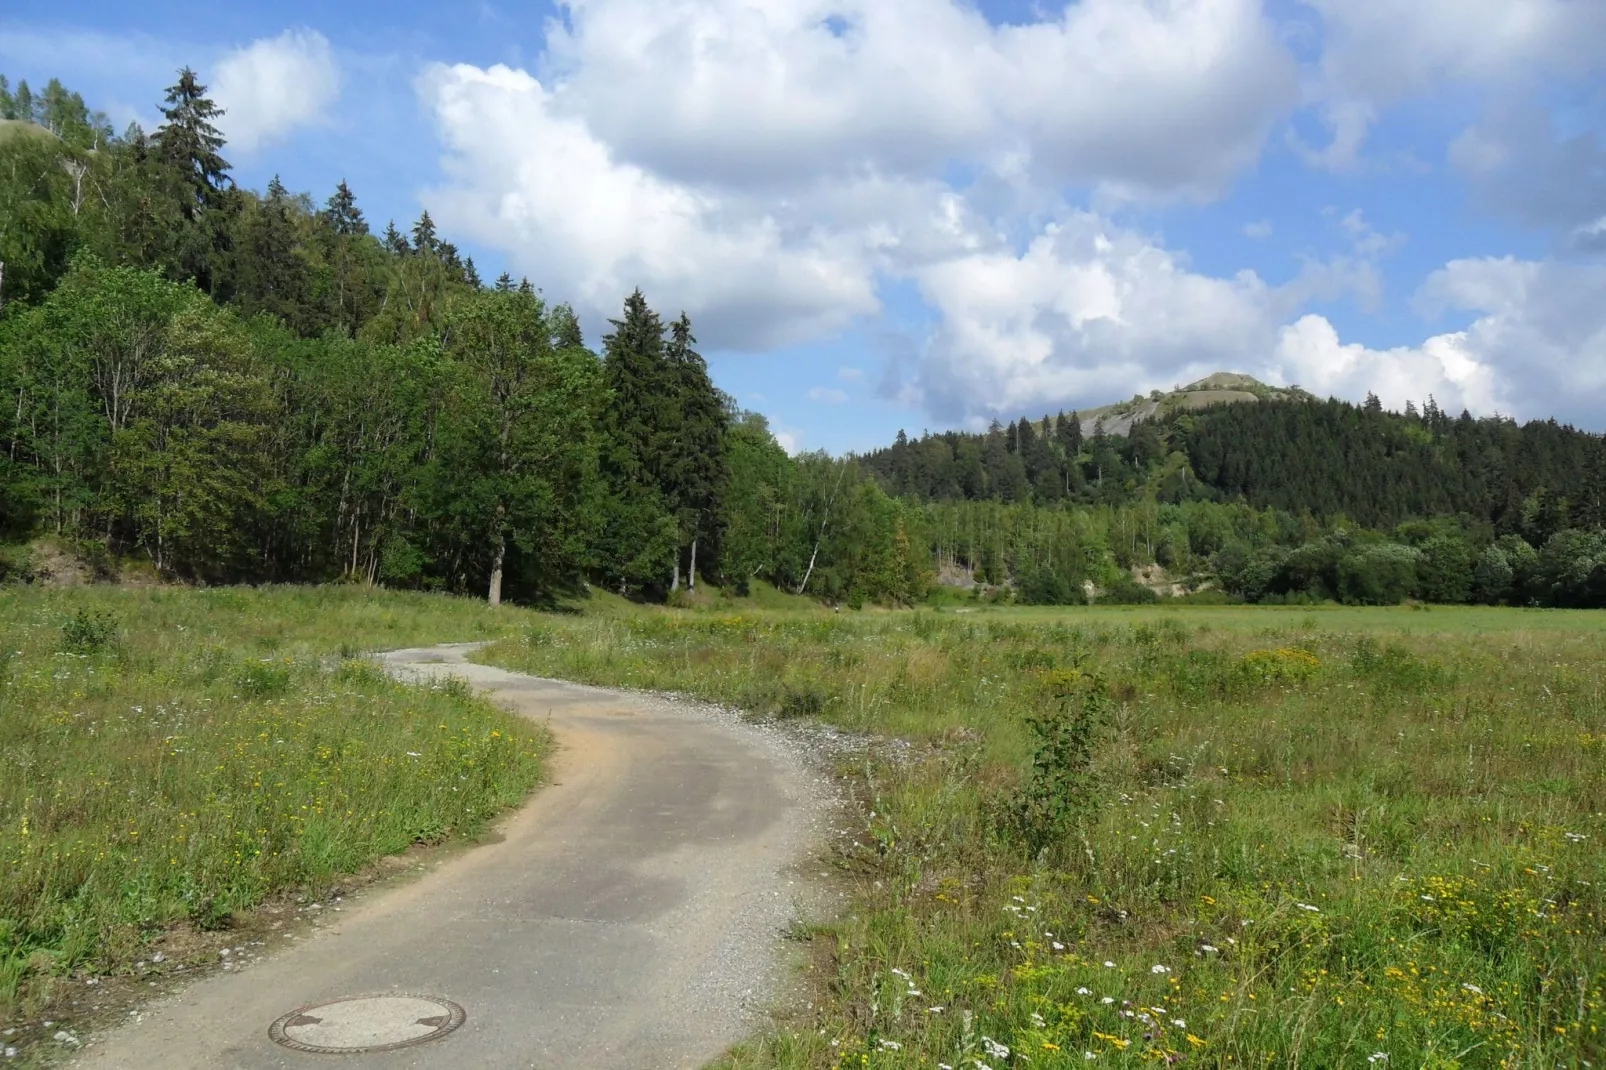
pixel 87 632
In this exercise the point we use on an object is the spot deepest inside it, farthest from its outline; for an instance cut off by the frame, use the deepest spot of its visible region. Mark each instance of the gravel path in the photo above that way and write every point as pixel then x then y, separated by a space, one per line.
pixel 629 917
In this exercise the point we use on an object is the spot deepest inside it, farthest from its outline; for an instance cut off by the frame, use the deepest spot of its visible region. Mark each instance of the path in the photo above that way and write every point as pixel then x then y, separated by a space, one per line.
pixel 628 919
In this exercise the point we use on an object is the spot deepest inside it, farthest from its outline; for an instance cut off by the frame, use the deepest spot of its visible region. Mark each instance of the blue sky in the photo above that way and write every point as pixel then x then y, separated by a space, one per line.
pixel 928 213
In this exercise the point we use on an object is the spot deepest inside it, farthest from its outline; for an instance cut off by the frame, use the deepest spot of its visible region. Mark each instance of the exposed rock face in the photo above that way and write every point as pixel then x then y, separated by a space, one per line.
pixel 1221 388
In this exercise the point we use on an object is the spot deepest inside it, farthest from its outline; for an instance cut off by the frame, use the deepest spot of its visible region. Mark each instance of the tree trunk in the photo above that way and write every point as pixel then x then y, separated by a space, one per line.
pixel 691 573
pixel 495 595
pixel 674 579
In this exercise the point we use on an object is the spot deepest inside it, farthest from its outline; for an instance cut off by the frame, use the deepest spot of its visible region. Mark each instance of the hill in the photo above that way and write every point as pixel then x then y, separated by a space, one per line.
pixel 1330 458
pixel 10 128
pixel 1221 388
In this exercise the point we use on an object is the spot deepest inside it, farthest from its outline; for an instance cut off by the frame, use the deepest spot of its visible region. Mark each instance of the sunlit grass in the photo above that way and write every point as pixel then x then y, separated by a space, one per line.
pixel 177 755
pixel 1324 837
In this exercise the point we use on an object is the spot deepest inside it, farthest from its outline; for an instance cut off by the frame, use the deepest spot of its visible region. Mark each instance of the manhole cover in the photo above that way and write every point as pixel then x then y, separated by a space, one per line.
pixel 367 1023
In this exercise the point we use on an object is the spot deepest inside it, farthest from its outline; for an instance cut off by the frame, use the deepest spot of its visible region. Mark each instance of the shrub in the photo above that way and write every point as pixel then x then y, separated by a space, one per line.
pixel 1383 574
pixel 88 633
pixel 1058 793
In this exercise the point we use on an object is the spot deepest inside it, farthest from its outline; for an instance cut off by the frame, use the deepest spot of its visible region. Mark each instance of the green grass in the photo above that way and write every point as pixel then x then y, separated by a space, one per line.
pixel 1320 837
pixel 174 756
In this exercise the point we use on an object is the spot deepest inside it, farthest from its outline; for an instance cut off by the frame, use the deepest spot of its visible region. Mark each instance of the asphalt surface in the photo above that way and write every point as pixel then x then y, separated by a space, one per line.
pixel 629 917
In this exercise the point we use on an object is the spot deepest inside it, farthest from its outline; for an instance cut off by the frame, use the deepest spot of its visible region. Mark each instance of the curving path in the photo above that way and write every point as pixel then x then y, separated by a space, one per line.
pixel 628 918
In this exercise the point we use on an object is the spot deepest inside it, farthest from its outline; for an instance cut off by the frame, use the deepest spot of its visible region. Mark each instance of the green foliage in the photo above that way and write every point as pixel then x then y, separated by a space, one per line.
pixel 87 632
pixel 1381 574
pixel 1057 796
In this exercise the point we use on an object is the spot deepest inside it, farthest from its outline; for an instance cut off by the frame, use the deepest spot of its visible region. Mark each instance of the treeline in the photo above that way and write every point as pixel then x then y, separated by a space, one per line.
pixel 245 387
pixel 1331 457
pixel 252 387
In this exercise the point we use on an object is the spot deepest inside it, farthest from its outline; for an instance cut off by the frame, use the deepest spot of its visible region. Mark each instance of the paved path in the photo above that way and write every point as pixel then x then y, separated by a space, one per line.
pixel 628 919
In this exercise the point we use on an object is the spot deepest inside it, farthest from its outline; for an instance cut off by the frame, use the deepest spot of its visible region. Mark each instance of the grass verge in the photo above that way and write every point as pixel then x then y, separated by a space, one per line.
pixel 175 756
pixel 1272 839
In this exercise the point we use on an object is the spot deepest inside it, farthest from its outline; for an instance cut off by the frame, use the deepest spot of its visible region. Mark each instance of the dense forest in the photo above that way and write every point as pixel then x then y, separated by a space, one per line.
pixel 242 386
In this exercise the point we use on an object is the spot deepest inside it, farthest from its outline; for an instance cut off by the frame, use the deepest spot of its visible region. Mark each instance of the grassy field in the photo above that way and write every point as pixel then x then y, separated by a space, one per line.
pixel 174 756
pixel 1227 837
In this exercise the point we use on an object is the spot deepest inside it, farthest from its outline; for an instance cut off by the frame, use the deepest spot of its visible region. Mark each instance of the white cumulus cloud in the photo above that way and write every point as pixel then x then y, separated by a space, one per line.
pixel 274 85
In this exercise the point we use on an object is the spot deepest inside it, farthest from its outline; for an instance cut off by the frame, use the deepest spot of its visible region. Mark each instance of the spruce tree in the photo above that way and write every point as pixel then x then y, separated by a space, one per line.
pixel 504 283
pixel 190 145
pixel 424 234
pixel 8 103
pixel 394 240
pixel 694 441
pixel 342 214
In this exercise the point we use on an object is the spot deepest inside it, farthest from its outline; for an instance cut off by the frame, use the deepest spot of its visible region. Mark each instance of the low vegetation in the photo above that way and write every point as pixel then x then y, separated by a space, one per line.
pixel 173 757
pixel 1236 837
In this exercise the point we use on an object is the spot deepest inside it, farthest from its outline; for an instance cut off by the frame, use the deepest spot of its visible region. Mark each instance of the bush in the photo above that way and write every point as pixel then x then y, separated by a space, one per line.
pixel 1444 572
pixel 1046 587
pixel 1127 592
pixel 88 633
pixel 1383 574
pixel 1058 793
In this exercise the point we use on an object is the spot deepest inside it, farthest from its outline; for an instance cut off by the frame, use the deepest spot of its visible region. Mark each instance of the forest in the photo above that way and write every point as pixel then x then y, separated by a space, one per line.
pixel 237 386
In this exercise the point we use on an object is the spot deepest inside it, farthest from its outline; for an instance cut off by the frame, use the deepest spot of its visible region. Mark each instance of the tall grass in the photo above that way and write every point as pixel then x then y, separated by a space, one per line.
pixel 1314 840
pixel 177 755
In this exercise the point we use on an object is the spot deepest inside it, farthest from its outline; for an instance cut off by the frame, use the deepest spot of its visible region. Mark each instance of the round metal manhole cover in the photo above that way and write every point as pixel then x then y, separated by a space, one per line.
pixel 367 1023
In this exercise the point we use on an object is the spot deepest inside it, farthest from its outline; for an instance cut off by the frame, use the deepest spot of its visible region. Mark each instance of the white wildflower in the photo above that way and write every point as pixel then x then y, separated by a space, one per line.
pixel 1157 968
pixel 994 1049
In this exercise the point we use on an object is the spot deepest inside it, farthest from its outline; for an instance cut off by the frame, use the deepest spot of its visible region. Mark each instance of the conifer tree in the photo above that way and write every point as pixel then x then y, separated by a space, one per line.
pixel 8 103
pixel 395 241
pixel 424 234
pixel 342 215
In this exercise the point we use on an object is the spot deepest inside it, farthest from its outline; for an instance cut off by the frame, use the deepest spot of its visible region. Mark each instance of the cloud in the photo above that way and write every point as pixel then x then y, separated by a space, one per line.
pixel 1160 98
pixel 537 183
pixel 1522 167
pixel 274 85
pixel 1369 243
pixel 1259 230
pixel 1379 52
pixel 829 395
pixel 850 375
pixel 1090 312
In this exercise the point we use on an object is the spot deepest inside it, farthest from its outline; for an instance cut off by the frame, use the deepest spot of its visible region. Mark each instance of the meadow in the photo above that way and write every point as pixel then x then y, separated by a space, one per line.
pixel 172 757
pixel 1234 836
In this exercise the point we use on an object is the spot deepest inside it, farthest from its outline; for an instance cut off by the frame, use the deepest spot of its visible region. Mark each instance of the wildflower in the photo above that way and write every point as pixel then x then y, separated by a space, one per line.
pixel 1209 949
pixel 1089 1055
pixel 1058 946
pixel 1039 1021
pixel 891 1045
pixel 1197 1042
pixel 1473 989
pixel 934 1010
pixel 994 1049
pixel 1378 1057
pixel 1307 906
pixel 1084 991
pixel 1107 1000
pixel 1179 1023
pixel 1109 964
pixel 1157 968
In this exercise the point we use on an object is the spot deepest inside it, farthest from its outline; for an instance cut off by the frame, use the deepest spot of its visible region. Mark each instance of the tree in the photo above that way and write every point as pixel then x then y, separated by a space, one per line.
pixel 271 273
pixel 424 239
pixel 1445 571
pixel 641 534
pixel 524 415
pixel 395 241
pixel 692 445
pixel 189 151
pixel 341 213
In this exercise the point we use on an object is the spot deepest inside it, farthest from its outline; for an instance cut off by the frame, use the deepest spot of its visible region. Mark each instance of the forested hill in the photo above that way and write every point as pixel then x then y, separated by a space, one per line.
pixel 1331 458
